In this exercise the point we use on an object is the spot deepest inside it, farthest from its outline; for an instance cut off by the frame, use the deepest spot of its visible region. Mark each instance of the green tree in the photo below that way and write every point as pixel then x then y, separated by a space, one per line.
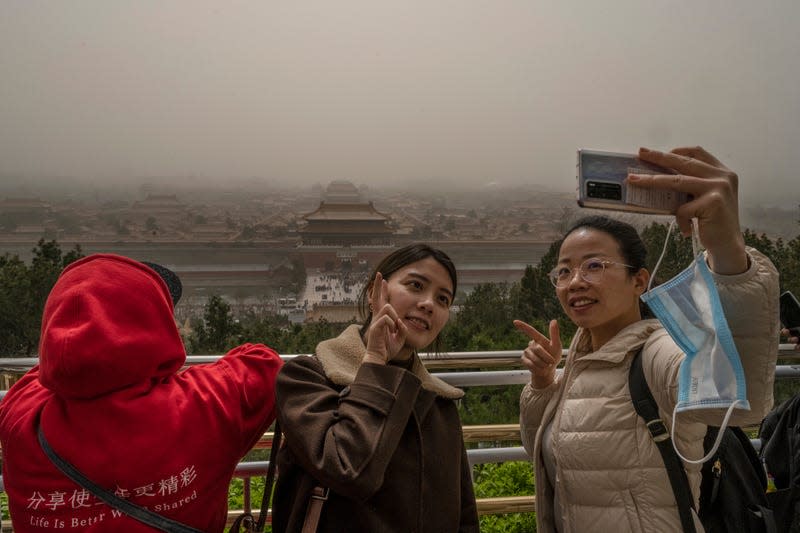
pixel 763 244
pixel 677 255
pixel 4 506
pixel 17 313
pixel 483 321
pixel 248 233
pixel 304 339
pixel 491 405
pixel 218 331
pixel 535 300
pixel 787 260
pixel 151 224
pixel 266 329
pixel 512 478
pixel 23 292
pixel 298 276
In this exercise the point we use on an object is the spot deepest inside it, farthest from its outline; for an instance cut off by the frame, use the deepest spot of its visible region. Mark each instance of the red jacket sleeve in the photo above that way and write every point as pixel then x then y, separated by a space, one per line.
pixel 254 368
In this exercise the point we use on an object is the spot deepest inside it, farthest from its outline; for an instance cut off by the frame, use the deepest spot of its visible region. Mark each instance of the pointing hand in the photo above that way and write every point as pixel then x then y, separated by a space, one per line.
pixel 542 355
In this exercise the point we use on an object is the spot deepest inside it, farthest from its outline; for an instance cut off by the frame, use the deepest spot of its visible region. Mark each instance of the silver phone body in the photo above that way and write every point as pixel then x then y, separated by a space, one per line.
pixel 601 184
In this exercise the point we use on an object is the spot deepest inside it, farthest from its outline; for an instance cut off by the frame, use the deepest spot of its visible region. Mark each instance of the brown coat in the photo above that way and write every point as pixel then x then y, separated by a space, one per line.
pixel 387 442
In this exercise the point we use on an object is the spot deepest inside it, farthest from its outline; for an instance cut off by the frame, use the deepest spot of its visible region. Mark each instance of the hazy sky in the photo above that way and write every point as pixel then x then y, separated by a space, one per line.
pixel 376 90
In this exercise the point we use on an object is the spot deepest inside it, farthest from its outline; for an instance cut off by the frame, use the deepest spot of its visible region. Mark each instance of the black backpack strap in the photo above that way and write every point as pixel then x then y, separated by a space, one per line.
pixel 141 514
pixel 646 407
pixel 246 520
pixel 270 481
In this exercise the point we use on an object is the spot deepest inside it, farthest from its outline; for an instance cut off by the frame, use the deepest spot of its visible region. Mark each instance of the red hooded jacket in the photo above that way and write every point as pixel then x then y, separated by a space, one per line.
pixel 111 401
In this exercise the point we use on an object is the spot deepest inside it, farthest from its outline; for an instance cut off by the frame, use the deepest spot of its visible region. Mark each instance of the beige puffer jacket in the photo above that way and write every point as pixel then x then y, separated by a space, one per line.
pixel 609 473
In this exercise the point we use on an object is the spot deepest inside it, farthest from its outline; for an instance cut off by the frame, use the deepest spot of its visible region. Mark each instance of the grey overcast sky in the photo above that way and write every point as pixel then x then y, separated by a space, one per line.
pixel 379 91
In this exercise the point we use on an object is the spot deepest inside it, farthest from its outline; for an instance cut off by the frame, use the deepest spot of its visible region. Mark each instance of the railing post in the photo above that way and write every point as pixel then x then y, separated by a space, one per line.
pixel 246 494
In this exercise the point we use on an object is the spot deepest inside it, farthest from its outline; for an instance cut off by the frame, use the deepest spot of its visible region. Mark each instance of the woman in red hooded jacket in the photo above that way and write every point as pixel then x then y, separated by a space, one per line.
pixel 110 399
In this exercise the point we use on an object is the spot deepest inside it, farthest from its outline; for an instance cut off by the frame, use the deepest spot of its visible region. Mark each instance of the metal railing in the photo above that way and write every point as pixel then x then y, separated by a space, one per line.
pixel 468 375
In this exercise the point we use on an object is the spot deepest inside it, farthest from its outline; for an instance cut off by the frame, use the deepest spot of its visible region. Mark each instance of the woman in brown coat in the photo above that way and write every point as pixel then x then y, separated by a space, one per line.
pixel 365 421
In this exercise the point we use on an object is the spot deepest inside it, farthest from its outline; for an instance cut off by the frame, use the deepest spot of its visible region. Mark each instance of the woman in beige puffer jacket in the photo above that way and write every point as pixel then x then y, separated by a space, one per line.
pixel 596 466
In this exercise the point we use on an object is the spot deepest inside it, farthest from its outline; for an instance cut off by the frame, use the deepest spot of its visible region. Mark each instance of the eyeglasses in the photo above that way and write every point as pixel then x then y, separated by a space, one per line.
pixel 591 271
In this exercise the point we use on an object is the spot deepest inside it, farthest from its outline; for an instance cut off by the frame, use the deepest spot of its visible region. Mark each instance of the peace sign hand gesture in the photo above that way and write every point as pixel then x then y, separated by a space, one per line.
pixel 542 355
pixel 386 335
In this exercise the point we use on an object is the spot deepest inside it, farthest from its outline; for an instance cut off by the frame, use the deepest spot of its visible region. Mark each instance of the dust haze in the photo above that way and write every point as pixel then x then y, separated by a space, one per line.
pixel 415 94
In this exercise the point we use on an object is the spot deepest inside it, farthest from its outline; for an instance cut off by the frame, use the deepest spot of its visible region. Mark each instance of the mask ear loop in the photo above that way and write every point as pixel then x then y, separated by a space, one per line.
pixel 661 257
pixel 697 246
pixel 717 441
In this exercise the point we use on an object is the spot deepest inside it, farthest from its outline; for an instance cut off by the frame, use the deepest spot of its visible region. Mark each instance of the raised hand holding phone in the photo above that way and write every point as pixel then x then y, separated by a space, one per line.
pixel 542 355
pixel 386 335
pixel 602 184
pixel 790 318
pixel 714 202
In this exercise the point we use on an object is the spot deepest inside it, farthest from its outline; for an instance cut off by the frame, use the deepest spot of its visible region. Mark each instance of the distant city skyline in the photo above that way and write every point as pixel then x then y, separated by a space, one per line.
pixel 454 93
pixel 123 211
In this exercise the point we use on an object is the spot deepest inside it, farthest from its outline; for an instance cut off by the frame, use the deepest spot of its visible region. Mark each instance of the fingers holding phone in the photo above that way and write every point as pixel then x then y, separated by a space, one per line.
pixel 713 191
pixel 602 184
pixel 690 161
pixel 790 318
pixel 792 337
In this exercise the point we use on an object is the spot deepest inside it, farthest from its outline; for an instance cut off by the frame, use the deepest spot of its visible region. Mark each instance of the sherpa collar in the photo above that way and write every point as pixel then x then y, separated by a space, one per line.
pixel 341 357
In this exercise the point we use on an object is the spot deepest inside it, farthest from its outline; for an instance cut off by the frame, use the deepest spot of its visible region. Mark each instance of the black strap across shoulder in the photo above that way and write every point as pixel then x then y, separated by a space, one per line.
pixel 141 514
pixel 647 408
pixel 246 521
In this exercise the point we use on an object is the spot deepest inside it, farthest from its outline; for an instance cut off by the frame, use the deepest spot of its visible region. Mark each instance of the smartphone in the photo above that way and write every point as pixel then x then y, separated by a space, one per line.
pixel 601 184
pixel 790 313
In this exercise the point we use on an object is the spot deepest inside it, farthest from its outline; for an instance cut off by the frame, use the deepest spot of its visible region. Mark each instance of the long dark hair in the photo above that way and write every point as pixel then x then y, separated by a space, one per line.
pixel 395 261
pixel 631 245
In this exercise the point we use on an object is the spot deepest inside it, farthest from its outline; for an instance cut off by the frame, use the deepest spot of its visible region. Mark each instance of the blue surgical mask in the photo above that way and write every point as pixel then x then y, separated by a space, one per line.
pixel 711 376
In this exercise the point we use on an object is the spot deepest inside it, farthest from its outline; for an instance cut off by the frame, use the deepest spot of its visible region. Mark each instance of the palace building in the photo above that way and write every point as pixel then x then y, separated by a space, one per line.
pixel 344 219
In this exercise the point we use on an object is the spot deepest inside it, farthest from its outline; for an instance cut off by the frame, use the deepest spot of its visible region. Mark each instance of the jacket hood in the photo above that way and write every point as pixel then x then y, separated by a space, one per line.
pixel 107 325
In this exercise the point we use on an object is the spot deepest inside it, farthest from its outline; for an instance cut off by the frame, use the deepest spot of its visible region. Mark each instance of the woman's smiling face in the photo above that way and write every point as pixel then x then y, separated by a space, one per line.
pixel 421 293
pixel 606 306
